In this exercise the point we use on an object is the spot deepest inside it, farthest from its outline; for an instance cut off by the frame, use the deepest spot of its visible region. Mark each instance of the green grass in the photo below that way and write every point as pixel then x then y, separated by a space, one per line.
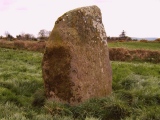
pixel 136 45
pixel 136 93
pixel 20 78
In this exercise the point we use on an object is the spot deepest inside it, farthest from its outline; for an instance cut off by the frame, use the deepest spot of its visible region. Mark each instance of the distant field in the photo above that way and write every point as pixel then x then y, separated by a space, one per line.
pixel 136 93
pixel 136 45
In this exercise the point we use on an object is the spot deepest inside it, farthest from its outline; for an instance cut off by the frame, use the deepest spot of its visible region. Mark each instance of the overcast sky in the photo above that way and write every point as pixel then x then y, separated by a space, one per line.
pixel 139 18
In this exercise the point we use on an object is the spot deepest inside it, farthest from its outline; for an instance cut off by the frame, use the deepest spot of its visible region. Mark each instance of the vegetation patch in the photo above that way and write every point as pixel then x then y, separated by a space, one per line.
pixel 23 45
pixel 122 54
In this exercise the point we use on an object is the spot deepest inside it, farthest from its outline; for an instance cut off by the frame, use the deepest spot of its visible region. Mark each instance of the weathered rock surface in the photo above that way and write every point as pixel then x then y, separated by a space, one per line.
pixel 76 63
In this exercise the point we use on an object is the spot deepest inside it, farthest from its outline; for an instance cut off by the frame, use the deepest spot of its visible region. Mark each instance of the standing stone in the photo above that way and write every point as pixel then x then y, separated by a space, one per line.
pixel 76 63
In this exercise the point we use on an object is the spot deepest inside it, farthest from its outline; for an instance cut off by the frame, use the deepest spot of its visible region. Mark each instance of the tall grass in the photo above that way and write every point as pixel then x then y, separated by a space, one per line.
pixel 20 78
pixel 136 93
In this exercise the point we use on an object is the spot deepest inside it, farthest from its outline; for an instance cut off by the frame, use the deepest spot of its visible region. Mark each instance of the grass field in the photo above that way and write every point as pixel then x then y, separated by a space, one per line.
pixel 136 93
pixel 136 45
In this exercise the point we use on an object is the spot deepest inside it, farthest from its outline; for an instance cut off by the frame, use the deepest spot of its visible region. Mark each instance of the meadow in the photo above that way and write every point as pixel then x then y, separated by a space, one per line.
pixel 132 45
pixel 136 93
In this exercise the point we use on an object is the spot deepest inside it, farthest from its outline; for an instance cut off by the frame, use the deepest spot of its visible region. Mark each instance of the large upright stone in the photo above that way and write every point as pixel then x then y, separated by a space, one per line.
pixel 76 63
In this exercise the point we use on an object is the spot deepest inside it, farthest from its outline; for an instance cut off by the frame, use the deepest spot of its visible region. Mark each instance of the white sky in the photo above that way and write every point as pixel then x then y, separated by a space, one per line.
pixel 139 18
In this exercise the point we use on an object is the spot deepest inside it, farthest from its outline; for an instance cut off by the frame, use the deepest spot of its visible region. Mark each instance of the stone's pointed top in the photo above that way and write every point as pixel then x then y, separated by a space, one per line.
pixel 86 8
pixel 93 11
pixel 84 19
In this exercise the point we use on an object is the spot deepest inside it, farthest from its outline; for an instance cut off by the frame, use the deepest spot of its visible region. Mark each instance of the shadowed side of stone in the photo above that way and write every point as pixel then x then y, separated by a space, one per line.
pixel 57 70
pixel 76 63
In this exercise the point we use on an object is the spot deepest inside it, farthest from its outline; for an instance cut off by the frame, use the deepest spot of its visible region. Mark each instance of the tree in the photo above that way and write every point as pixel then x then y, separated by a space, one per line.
pixel 32 37
pixel 19 37
pixel 42 34
pixel 8 36
pixel 25 36
pixel 123 34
